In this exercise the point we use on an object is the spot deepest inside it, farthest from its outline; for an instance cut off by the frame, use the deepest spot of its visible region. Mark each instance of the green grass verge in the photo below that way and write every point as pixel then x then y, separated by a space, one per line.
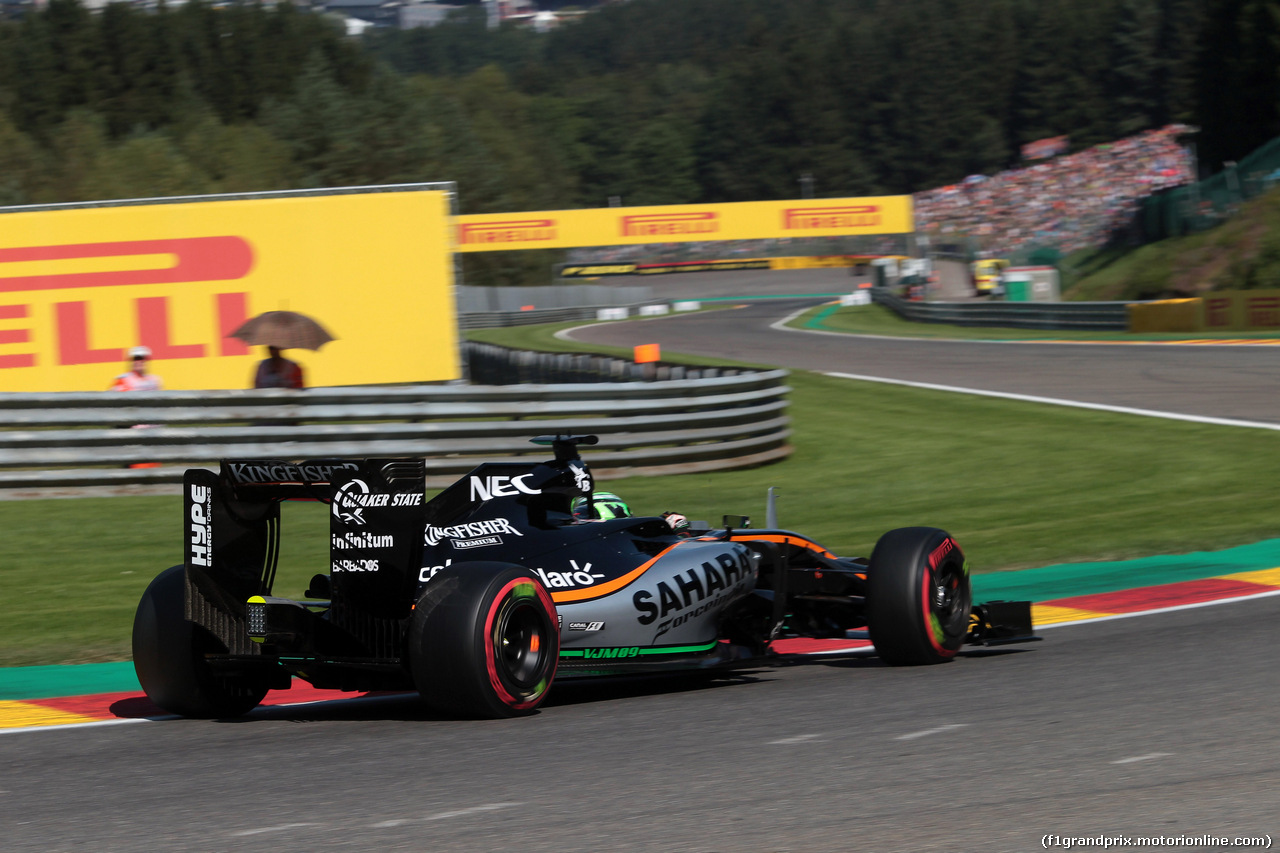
pixel 1019 485
pixel 879 320
pixel 74 570
pixel 1242 252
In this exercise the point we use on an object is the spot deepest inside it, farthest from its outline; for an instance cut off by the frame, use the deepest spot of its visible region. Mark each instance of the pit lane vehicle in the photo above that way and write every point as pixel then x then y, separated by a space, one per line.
pixel 483 595
pixel 987 276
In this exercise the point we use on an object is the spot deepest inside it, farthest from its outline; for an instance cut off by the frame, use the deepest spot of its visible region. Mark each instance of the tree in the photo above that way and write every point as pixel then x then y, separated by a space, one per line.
pixel 320 123
pixel 661 167
pixel 1236 81
pixel 145 166
pixel 238 158
pixel 1259 73
pixel 1181 22
pixel 23 169
pixel 1135 67
pixel 77 142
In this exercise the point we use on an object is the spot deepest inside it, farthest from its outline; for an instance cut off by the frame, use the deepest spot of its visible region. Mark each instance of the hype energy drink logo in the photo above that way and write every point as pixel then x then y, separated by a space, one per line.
pixel 201 512
pixel 826 218
pixel 669 224
pixel 31 269
pixel 507 231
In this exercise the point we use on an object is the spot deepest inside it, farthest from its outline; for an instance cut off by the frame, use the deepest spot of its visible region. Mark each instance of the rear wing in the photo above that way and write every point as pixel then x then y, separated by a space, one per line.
pixel 376 513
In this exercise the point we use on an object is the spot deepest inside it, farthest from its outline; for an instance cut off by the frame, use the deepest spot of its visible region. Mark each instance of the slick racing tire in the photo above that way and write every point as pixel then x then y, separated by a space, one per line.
pixel 168 656
pixel 484 641
pixel 918 596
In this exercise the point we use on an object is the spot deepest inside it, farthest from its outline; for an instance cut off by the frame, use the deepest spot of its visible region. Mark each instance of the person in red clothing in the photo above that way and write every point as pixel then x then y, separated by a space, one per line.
pixel 276 371
pixel 138 379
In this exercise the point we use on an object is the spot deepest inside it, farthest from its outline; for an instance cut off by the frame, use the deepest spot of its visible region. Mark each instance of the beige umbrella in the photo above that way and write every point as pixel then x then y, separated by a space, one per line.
pixel 284 330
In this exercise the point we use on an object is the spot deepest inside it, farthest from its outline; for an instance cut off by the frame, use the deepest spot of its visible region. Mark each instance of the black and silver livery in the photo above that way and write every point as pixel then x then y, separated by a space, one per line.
pixel 482 596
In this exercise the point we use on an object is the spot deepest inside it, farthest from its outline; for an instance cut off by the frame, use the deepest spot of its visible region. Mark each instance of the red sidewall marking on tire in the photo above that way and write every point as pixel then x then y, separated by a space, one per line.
pixel 490 652
pixel 935 556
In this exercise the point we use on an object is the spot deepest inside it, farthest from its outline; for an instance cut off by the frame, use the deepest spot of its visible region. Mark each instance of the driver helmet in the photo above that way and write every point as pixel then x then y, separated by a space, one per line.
pixel 605 506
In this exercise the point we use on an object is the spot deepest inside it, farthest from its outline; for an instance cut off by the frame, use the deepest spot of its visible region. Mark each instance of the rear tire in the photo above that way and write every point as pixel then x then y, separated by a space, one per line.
pixel 168 656
pixel 484 641
pixel 918 596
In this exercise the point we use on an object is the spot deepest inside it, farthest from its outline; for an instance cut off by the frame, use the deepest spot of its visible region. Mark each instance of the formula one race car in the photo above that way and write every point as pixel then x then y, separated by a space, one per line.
pixel 480 597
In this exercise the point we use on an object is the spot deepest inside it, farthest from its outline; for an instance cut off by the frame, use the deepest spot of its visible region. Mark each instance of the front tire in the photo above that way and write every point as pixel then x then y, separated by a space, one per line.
pixel 168 656
pixel 484 641
pixel 918 596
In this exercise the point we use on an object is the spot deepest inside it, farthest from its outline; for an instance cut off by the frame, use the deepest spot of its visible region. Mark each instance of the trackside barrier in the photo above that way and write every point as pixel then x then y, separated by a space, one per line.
pixel 502 319
pixel 497 307
pixel 490 364
pixel 668 420
pixel 1165 315
pixel 479 300
pixel 1019 315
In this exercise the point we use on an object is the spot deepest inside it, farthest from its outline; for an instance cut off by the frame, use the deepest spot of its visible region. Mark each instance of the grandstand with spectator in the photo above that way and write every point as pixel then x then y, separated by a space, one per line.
pixel 1070 202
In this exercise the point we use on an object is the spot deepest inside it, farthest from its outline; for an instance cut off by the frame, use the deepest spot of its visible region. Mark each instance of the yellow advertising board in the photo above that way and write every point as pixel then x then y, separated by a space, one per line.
pixel 80 286
pixel 737 265
pixel 618 226
pixel 1240 311
pixel 818 262
pixel 1165 315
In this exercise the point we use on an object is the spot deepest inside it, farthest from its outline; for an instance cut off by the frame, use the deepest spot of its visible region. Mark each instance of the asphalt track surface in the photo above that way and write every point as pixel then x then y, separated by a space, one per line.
pixel 1233 382
pixel 1157 725
pixel 1154 725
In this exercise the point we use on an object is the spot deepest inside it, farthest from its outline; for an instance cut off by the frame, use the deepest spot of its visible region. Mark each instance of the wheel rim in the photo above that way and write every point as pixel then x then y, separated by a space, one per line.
pixel 522 650
pixel 948 602
pixel 521 645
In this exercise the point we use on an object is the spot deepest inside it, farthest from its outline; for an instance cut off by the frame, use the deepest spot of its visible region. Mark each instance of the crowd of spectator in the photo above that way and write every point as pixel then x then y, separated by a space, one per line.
pixel 1069 202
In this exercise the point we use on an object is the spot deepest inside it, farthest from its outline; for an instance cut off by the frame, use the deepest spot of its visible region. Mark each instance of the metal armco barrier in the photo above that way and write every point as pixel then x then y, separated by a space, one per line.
pixel 75 440
pixel 499 319
pixel 1019 315
pixel 480 300
pixel 490 364
pixel 495 307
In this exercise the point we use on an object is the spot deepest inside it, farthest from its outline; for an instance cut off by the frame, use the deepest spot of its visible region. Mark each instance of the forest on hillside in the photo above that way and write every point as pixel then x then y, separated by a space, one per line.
pixel 650 101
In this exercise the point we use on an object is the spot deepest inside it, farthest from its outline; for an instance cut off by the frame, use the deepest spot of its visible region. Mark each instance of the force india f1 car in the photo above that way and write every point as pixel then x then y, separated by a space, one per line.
pixel 480 597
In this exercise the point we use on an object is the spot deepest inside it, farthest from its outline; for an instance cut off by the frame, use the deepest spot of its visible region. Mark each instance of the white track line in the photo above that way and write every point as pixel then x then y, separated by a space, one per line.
pixel 488 807
pixel 1025 398
pixel 781 326
pixel 929 732
pixel 383 824
pixel 1148 757
pixel 284 827
pixel 1054 401
pixel 795 739
pixel 567 334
